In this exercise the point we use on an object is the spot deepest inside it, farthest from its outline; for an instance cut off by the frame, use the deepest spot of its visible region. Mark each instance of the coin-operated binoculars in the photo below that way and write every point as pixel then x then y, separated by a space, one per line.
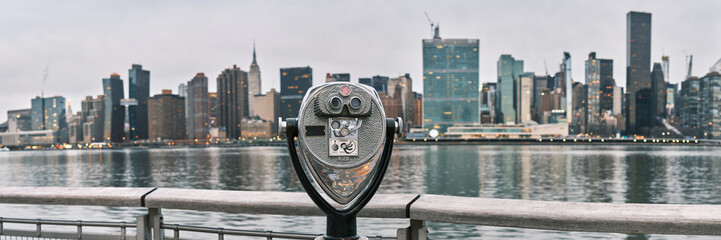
pixel 345 145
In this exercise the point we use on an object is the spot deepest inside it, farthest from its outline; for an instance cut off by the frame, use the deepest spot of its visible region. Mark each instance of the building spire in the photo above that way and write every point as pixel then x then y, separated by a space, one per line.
pixel 254 62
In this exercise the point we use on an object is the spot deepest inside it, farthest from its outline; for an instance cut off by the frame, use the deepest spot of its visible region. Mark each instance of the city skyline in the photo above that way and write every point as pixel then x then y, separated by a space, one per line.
pixel 175 46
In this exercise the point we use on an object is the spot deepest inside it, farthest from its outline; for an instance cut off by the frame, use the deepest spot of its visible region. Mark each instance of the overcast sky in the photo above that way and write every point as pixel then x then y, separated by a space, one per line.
pixel 81 42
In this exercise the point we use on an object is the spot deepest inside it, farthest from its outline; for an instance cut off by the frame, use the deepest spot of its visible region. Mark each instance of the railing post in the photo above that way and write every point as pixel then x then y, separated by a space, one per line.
pixel 38 228
pixel 418 230
pixel 156 222
pixel 143 227
pixel 80 229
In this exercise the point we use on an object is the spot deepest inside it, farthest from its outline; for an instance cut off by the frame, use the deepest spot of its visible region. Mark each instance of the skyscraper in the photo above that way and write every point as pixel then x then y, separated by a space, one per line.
pixel 254 83
pixel 509 72
pixel 139 89
pixel 568 77
pixel 690 103
pixel 233 100
pixel 524 97
pixel 600 83
pixel 213 112
pixel 268 107
pixel 379 83
pixel 197 124
pixel 450 83
pixel 114 112
pixel 710 105
pixel 658 87
pixel 93 110
pixel 48 113
pixel 294 83
pixel 398 102
pixel 167 116
pixel 488 99
pixel 638 65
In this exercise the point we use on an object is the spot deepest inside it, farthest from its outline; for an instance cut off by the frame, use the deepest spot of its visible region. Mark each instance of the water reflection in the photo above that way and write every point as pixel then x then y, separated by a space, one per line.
pixel 634 174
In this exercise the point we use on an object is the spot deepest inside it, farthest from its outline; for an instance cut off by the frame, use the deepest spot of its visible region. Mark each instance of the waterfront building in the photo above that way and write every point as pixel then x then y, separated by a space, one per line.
pixel 294 83
pixel 268 108
pixel 198 121
pixel 48 113
pixel 183 92
pixel 638 65
pixel 579 106
pixel 28 138
pixel 213 109
pixel 337 77
pixel 658 86
pixel 138 89
pixel 75 128
pixel 568 87
pixel 514 131
pixel 600 83
pixel 524 97
pixel 690 103
pixel 254 83
pixel 398 102
pixel 488 99
pixel 257 128
pixel 233 100
pixel 509 71
pixel 167 116
pixel 93 109
pixel 19 120
pixel 541 84
pixel 114 112
pixel 379 83
pixel 450 82
pixel 416 119
pixel 710 119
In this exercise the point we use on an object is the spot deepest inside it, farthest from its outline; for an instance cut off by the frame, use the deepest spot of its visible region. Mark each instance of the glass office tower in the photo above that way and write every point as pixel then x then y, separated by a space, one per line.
pixel 450 83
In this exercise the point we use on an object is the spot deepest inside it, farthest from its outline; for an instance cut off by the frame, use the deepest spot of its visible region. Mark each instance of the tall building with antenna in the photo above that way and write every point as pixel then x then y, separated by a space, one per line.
pixel 254 82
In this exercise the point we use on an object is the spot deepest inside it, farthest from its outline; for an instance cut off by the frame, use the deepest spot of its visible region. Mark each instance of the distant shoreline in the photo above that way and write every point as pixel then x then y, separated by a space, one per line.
pixel 431 141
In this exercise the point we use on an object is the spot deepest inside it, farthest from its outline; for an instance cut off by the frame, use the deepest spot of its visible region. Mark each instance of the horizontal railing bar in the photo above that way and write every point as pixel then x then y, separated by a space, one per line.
pixel 236 232
pixel 63 235
pixel 69 223
pixel 571 216
pixel 550 215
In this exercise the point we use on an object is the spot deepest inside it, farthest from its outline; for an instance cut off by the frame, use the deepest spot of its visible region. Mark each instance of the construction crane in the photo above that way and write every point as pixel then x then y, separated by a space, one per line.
pixel 434 27
pixel 545 66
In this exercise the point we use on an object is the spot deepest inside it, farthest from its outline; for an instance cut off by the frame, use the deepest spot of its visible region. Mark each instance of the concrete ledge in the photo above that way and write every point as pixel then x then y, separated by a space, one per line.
pixel 255 202
pixel 571 216
pixel 89 196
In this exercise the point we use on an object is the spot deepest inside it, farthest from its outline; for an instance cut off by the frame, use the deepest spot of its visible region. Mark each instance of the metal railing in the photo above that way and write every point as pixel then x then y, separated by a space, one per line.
pixel 417 209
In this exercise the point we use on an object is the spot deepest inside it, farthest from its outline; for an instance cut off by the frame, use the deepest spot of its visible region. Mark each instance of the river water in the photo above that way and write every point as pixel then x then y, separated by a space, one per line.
pixel 577 173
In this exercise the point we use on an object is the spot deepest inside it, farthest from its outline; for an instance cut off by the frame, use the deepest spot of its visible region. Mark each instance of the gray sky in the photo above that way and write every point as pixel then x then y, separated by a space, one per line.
pixel 82 42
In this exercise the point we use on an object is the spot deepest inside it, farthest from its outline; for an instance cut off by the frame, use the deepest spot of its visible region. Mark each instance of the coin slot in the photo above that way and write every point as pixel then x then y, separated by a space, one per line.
pixel 312 131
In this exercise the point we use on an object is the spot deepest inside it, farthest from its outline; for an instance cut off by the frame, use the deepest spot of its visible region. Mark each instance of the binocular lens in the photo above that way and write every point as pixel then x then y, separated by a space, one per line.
pixel 355 103
pixel 335 103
